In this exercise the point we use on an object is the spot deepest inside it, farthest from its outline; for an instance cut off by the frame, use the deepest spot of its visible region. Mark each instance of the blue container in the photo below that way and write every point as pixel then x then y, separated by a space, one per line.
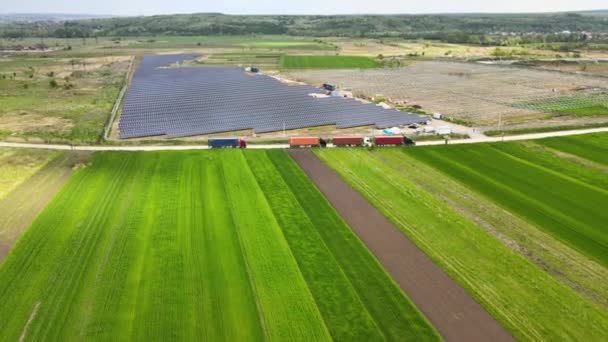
pixel 224 142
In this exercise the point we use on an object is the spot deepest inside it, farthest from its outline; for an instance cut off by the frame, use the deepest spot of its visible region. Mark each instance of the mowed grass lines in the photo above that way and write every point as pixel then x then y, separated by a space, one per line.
pixel 194 246
pixel 593 147
pixel 333 260
pixel 571 210
pixel 521 296
pixel 328 62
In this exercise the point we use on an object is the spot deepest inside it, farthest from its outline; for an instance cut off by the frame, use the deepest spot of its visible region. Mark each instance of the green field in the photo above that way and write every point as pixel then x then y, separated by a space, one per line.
pixel 328 62
pixel 217 245
pixel 592 147
pixel 532 303
pixel 571 210
pixel 585 111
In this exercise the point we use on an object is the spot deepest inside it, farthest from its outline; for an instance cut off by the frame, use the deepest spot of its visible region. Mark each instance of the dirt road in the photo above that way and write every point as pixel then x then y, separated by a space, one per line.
pixel 455 314
pixel 271 146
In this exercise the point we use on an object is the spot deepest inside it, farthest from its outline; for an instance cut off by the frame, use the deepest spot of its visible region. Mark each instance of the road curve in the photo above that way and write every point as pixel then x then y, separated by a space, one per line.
pixel 279 146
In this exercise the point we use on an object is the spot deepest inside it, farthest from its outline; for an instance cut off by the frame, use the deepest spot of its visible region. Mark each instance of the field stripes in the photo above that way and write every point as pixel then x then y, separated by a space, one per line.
pixel 282 293
pixel 329 253
pixel 361 267
pixel 521 296
pixel 593 147
pixel 328 62
pixel 197 245
pixel 568 165
pixel 21 207
pixel 570 210
pixel 342 310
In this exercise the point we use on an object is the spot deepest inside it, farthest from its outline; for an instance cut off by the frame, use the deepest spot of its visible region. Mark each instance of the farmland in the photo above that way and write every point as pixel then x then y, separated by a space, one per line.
pixel 557 202
pixel 328 62
pixel 490 248
pixel 589 147
pixel 134 248
pixel 30 180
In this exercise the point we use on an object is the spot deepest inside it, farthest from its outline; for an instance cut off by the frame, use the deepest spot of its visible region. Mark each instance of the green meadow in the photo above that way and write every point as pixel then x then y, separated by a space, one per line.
pixel 529 301
pixel 328 62
pixel 214 245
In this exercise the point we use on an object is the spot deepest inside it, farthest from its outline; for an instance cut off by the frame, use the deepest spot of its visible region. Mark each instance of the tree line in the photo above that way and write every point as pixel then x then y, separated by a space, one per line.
pixel 490 29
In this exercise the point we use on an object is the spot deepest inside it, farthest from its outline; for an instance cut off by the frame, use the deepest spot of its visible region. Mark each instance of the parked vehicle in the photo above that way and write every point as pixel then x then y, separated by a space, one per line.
pixel 390 140
pixel 227 143
pixel 295 142
pixel 329 87
pixel 345 141
pixel 400 140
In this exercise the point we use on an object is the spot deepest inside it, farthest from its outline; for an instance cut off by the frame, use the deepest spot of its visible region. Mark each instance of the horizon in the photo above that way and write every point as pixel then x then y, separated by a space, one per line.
pixel 313 7
pixel 298 14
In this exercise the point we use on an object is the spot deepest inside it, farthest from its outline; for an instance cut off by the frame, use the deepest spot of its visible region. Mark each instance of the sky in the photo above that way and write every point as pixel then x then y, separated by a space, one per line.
pixel 149 7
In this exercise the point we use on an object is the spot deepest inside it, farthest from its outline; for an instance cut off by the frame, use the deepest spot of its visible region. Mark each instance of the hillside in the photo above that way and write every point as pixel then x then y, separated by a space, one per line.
pixel 408 26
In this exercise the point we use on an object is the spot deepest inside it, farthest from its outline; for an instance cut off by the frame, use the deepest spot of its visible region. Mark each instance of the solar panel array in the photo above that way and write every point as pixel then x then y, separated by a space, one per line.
pixel 187 101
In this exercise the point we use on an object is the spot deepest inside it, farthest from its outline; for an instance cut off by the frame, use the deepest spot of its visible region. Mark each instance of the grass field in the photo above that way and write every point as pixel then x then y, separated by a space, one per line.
pixel 590 146
pixel 585 111
pixel 559 203
pixel 530 302
pixel 328 62
pixel 218 245
pixel 57 99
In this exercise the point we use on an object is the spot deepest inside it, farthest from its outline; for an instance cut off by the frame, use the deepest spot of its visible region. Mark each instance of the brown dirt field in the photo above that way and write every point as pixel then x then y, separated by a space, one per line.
pixel 453 312
pixel 21 207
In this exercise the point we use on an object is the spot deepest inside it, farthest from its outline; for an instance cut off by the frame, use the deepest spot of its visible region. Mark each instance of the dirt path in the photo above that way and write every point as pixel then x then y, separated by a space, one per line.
pixel 455 314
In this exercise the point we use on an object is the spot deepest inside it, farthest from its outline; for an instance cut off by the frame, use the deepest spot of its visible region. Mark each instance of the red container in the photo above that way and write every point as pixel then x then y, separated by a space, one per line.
pixel 304 142
pixel 390 141
pixel 348 141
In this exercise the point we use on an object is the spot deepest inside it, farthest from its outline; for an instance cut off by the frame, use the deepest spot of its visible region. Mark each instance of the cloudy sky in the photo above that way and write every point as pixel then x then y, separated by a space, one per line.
pixel 147 7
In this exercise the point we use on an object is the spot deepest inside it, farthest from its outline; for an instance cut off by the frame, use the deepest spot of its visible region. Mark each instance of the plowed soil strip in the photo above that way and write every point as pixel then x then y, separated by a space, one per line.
pixel 455 314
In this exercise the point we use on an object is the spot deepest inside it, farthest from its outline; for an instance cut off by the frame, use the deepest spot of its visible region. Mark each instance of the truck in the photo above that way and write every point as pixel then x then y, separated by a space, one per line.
pixel 295 142
pixel 345 141
pixel 227 143
pixel 397 140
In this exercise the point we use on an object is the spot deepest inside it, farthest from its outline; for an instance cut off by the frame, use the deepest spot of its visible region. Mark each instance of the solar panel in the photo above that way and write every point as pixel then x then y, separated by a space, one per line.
pixel 186 101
